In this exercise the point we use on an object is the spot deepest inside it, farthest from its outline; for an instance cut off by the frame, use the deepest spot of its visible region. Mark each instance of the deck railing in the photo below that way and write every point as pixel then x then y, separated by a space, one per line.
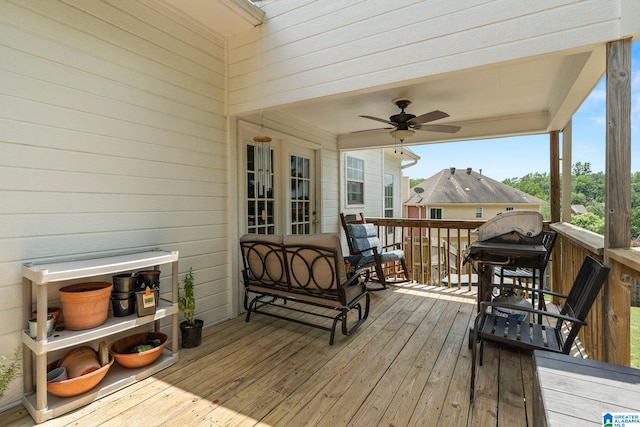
pixel 434 250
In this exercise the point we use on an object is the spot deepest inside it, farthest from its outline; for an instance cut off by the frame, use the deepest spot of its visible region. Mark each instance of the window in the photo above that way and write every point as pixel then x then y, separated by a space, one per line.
pixel 388 195
pixel 478 212
pixel 355 181
pixel 435 213
pixel 388 199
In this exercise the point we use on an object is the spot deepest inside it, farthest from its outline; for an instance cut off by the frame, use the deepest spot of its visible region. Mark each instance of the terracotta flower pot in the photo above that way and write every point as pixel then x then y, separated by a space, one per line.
pixel 79 385
pixel 80 361
pixel 85 305
pixel 127 353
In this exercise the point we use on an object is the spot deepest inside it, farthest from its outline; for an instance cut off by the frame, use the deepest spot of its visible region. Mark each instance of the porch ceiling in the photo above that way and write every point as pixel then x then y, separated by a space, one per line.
pixel 530 96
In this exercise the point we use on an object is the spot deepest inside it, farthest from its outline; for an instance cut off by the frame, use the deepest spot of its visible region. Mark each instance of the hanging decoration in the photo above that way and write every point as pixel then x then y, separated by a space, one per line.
pixel 263 161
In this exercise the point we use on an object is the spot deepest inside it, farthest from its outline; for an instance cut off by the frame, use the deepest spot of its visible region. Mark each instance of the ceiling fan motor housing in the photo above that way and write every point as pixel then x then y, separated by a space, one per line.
pixel 402 118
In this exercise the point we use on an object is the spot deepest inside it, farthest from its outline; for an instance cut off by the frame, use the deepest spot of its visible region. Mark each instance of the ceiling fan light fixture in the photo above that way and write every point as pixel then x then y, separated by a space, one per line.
pixel 402 134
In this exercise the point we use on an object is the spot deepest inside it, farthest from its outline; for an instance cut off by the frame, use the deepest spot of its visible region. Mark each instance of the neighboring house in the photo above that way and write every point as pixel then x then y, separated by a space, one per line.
pixel 578 209
pixel 460 194
pixel 465 194
pixel 129 125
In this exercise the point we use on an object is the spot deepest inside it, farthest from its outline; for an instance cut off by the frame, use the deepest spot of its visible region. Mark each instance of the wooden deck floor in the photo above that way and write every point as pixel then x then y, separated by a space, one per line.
pixel 408 365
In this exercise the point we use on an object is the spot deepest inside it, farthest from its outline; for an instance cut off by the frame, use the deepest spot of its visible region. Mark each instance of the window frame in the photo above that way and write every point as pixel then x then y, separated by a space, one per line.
pixel 433 210
pixel 351 165
pixel 388 188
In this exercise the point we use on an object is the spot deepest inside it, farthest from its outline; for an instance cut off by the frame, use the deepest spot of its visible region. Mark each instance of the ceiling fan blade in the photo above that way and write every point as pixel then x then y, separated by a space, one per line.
pixel 370 130
pixel 429 117
pixel 379 120
pixel 439 128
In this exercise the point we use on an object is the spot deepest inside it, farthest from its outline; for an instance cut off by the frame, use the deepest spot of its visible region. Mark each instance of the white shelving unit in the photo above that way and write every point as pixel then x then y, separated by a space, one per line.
pixel 43 406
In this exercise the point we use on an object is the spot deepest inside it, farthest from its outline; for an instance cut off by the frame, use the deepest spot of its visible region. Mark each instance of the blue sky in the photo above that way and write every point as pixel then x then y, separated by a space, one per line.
pixel 517 156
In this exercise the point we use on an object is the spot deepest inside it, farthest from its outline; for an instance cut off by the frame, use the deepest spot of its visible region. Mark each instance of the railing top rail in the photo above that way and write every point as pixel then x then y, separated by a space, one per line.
pixel 426 223
pixel 587 240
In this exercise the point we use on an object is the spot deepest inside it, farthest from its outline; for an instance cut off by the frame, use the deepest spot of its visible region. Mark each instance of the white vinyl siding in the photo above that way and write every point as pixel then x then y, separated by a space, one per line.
pixel 315 57
pixel 112 138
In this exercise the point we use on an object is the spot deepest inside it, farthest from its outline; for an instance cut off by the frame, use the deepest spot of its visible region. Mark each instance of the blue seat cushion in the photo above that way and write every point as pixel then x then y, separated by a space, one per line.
pixel 364 236
pixel 390 256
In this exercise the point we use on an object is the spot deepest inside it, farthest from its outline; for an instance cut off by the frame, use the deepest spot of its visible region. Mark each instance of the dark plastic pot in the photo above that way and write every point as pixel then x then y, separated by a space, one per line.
pixel 150 278
pixel 191 334
pixel 122 295
pixel 124 282
pixel 123 307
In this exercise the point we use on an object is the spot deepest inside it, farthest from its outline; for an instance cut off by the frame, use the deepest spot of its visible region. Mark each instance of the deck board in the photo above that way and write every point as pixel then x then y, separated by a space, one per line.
pixel 408 364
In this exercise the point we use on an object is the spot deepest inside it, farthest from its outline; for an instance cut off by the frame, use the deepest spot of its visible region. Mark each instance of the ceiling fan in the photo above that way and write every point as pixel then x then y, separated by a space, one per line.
pixel 405 124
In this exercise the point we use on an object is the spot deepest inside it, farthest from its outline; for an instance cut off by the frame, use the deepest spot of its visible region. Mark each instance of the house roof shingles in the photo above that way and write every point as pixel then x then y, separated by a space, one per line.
pixel 457 186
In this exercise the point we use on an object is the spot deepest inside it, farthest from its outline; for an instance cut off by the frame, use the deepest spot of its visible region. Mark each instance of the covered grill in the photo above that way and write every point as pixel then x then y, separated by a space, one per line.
pixel 512 240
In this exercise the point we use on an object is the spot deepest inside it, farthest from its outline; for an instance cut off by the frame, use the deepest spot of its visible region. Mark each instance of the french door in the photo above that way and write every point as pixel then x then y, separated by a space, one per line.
pixel 302 215
pixel 280 195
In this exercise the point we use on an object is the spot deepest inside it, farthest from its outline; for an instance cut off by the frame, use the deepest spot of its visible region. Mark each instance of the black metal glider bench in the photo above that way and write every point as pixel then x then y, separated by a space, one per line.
pixel 308 269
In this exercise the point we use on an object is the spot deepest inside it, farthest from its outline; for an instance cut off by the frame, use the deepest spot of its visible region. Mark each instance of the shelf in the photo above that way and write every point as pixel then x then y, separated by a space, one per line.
pixel 41 274
pixel 63 339
pixel 117 378
pixel 36 276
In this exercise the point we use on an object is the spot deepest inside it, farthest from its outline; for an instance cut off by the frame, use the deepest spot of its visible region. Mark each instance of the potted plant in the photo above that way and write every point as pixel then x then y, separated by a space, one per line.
pixel 190 327
pixel 9 371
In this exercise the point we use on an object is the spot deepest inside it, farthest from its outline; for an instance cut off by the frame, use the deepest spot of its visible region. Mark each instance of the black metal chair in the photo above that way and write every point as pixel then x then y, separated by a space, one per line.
pixel 367 250
pixel 518 333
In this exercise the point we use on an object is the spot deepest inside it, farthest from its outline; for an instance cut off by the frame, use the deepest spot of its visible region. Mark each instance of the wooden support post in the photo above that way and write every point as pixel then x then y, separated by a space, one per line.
pixel 567 142
pixel 554 175
pixel 617 299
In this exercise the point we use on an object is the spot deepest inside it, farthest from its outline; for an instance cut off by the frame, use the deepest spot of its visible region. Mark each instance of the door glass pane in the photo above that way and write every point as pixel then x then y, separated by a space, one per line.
pixel 300 195
pixel 260 204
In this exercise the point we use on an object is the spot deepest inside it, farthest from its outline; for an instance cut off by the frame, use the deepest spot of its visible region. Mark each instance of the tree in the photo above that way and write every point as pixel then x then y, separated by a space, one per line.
pixel 596 209
pixel 581 169
pixel 537 184
pixel 589 221
pixel 413 182
pixel 635 222
pixel 578 199
pixel 592 186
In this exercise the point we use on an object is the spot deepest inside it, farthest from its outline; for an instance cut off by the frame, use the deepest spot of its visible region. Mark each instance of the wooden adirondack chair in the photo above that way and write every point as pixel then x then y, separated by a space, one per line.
pixel 534 336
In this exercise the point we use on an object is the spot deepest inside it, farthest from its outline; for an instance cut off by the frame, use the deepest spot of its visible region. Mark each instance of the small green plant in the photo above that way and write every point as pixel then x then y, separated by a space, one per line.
pixel 187 299
pixel 9 371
